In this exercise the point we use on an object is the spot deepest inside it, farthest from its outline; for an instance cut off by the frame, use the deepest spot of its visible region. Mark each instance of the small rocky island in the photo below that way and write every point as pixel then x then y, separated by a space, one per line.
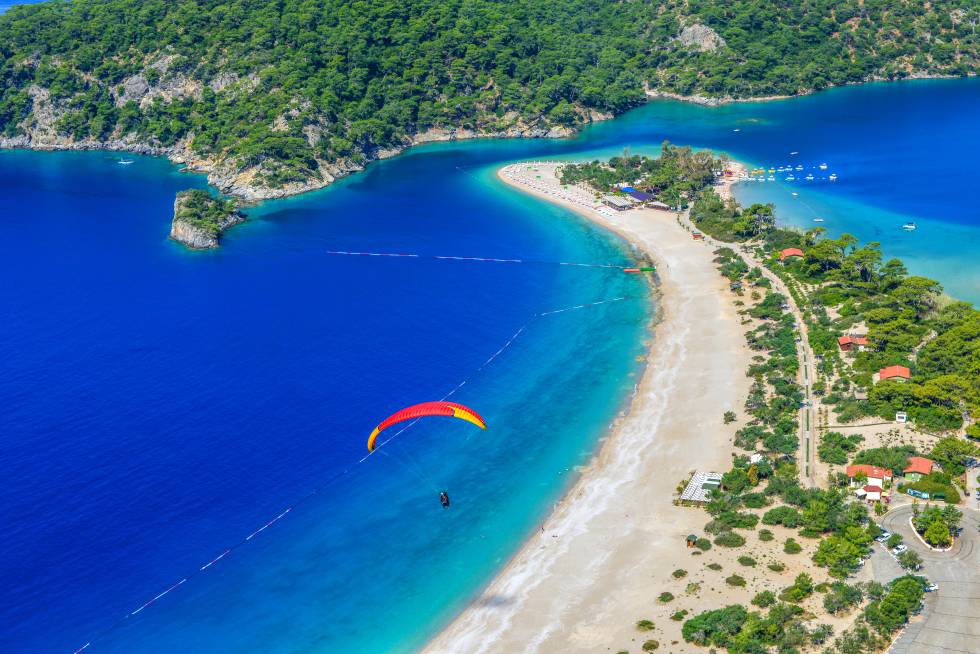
pixel 200 218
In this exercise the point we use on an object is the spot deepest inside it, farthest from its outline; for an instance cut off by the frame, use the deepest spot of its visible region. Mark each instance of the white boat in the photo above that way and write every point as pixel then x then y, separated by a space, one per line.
pixel 124 162
pixel 909 227
pixel 818 220
pixel 799 167
pixel 772 178
pixel 794 152
pixel 810 177
pixel 833 177
pixel 790 178
pixel 822 166
pixel 795 194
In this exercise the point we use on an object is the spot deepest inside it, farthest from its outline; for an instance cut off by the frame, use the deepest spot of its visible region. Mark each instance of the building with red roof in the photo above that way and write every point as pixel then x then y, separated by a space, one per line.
pixel 874 475
pixel 918 468
pixel 871 492
pixel 790 252
pixel 847 343
pixel 896 373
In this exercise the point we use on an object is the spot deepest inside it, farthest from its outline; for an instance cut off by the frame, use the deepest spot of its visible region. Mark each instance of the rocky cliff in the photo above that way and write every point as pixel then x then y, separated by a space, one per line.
pixel 199 219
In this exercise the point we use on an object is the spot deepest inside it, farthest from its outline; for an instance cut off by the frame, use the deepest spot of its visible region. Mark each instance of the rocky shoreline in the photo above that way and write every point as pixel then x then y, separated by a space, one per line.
pixel 199 219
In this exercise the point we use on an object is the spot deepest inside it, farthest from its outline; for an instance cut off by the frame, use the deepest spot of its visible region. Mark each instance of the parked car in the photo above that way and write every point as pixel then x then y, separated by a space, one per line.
pixel 883 536
pixel 899 549
pixel 932 588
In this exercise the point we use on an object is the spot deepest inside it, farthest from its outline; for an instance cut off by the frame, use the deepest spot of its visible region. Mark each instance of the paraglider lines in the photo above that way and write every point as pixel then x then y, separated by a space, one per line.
pixel 338 475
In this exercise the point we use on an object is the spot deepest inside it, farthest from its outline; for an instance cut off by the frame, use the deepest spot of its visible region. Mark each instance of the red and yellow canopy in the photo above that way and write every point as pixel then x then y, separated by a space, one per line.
pixel 424 410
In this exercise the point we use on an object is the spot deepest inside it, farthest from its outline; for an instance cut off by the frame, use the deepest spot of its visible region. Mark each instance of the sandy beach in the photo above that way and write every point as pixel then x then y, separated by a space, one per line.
pixel 603 556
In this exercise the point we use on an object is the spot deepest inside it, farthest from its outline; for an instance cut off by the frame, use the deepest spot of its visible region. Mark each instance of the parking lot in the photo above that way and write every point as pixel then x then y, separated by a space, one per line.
pixel 950 620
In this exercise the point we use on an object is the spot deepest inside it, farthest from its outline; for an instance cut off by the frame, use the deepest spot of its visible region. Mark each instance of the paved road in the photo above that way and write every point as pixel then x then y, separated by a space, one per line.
pixel 807 374
pixel 950 620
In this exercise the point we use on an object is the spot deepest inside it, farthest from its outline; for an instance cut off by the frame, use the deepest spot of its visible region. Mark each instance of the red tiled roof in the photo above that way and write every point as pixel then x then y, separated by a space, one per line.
pixel 856 340
pixel 919 464
pixel 870 471
pixel 894 371
pixel 873 489
pixel 790 252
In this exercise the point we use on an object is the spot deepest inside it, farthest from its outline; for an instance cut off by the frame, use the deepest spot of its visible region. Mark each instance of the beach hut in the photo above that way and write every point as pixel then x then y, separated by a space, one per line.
pixel 848 343
pixel 900 374
pixel 789 253
pixel 617 202
pixel 918 468
pixel 871 493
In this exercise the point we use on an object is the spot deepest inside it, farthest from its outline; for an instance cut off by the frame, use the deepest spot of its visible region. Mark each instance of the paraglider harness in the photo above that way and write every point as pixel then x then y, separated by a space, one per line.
pixel 444 498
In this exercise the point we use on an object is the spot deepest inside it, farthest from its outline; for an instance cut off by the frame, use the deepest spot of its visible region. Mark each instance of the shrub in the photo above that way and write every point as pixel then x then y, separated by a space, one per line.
pixel 693 588
pixel 729 539
pixel 715 627
pixel 841 597
pixel 792 547
pixel 679 573
pixel 747 561
pixel 645 625
pixel 783 515
pixel 764 599
pixel 714 566
pixel 801 589
pixel 894 541
pixel 729 417
pixel 666 597
pixel 679 615
pixel 755 500
pixel 765 535
pixel 777 566
pixel 735 580
pixel 910 560
pixel 703 544
pixel 650 646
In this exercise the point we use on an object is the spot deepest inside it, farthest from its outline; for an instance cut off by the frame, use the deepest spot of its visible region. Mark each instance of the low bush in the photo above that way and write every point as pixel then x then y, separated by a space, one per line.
pixel 765 535
pixel 729 539
pixel 792 547
pixel 666 597
pixel 645 625
pixel 747 561
pixel 679 573
pixel 735 580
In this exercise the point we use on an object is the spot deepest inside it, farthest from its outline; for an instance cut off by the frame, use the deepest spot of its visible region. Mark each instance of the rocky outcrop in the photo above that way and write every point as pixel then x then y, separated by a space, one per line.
pixel 200 219
pixel 701 37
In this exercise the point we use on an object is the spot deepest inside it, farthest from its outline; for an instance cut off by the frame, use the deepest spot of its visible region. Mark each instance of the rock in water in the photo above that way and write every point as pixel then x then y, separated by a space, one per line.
pixel 200 218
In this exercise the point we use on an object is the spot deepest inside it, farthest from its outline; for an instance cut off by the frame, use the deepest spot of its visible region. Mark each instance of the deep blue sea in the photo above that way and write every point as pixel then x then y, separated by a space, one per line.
pixel 160 405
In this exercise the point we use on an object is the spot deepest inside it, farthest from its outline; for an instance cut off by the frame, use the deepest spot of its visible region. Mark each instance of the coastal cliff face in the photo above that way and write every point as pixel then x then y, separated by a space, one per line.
pixel 200 219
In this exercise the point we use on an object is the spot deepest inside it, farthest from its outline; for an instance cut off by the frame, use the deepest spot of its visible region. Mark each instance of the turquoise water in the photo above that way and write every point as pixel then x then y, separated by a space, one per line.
pixel 162 404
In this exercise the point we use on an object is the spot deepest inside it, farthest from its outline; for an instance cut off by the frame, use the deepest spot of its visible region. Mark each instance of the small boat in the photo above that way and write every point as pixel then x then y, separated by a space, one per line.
pixel 124 162
pixel 799 167
pixel 822 166
pixel 771 171
pixel 818 220
pixel 810 177
pixel 833 177
pixel 909 227
pixel 772 178
pixel 790 178
pixel 794 152
pixel 737 129
pixel 795 194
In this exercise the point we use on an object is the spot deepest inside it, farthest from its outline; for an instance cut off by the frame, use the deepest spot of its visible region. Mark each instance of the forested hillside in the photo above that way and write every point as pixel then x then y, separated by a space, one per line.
pixel 273 94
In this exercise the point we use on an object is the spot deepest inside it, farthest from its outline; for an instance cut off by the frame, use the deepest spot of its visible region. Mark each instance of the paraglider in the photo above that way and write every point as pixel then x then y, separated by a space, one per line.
pixel 423 410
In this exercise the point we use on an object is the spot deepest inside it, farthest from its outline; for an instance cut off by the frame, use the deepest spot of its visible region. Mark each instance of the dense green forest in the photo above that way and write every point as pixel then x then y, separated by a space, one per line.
pixel 286 88
pixel 845 287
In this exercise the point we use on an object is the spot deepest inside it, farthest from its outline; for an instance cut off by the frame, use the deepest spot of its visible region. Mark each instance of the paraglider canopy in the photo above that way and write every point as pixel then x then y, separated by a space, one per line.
pixel 423 410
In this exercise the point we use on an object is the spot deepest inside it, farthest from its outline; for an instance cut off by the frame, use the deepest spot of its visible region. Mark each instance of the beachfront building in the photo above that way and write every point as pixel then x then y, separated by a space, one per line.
pixel 900 374
pixel 659 206
pixel 618 202
pixel 870 493
pixel 867 475
pixel 700 487
pixel 918 468
pixel 848 343
pixel 640 196
pixel 790 253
